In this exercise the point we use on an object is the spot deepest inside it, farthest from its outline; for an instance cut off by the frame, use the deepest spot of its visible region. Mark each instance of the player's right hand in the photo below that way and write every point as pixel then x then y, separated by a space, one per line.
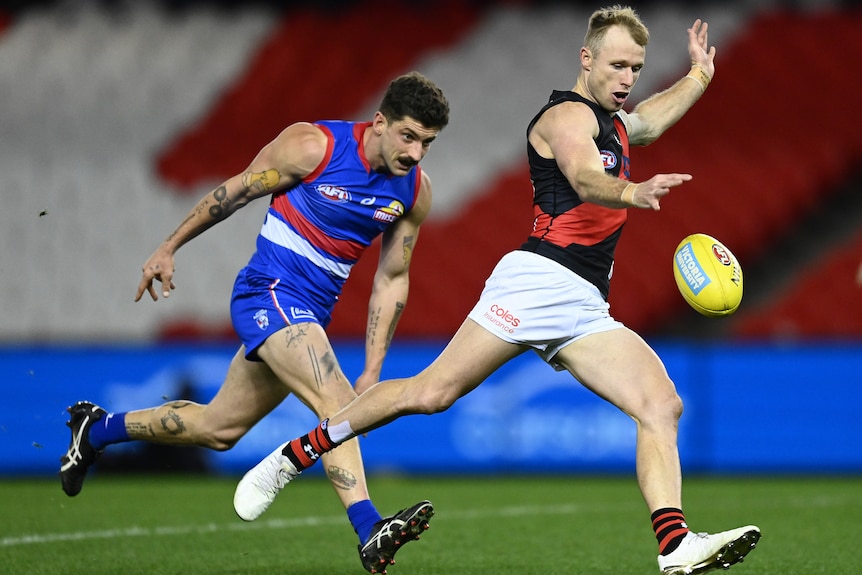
pixel 160 266
pixel 649 193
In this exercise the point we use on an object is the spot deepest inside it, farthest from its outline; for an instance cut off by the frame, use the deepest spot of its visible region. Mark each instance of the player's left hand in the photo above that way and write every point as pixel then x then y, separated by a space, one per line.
pixel 699 50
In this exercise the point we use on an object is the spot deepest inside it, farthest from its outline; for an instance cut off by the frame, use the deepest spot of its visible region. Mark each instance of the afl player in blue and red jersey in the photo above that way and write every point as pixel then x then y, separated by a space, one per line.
pixel 334 186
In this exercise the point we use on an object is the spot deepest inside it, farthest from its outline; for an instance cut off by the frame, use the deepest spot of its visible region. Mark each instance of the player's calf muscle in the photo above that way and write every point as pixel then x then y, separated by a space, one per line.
pixel 180 423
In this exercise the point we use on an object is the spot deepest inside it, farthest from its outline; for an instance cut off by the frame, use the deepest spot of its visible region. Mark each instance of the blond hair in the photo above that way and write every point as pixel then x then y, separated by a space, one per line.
pixel 617 15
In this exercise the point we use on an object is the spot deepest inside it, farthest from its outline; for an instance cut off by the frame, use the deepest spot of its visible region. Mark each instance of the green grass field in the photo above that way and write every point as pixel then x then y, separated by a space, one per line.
pixel 483 526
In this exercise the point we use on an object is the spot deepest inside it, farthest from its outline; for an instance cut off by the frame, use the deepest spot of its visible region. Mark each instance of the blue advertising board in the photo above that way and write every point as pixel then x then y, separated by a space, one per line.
pixel 755 408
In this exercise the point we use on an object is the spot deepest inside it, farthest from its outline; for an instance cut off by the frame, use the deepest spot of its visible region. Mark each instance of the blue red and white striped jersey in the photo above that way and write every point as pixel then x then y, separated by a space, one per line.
pixel 315 232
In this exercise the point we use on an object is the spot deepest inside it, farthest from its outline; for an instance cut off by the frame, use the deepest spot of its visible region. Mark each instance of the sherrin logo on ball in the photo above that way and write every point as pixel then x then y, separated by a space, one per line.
pixel 708 275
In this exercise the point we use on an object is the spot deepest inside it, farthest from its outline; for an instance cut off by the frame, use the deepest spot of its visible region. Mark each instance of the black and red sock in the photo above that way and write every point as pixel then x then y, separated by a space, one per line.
pixel 306 450
pixel 670 529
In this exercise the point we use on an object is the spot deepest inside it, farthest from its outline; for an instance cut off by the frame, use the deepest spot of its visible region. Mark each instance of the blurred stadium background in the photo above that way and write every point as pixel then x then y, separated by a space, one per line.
pixel 117 116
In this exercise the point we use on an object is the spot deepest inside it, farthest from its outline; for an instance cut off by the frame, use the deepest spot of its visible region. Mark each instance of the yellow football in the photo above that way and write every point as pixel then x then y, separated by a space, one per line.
pixel 708 275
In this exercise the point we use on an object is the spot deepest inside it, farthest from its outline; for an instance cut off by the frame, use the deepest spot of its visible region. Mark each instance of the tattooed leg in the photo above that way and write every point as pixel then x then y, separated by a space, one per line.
pixel 163 424
pixel 303 358
pixel 341 478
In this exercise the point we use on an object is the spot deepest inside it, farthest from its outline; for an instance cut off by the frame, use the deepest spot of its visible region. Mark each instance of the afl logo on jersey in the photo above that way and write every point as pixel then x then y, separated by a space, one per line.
pixel 334 193
pixel 609 159
pixel 390 213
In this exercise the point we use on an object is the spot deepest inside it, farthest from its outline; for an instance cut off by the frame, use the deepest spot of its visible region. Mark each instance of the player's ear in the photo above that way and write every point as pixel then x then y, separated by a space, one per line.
pixel 586 58
pixel 379 123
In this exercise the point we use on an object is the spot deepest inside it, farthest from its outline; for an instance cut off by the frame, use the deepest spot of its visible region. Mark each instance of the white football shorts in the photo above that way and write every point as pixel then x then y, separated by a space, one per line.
pixel 532 300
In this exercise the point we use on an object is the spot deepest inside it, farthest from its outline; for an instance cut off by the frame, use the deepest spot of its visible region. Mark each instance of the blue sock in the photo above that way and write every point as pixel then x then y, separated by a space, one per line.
pixel 110 429
pixel 363 515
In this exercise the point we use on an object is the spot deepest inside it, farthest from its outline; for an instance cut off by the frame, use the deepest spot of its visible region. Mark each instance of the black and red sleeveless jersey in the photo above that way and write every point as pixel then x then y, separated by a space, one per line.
pixel 579 235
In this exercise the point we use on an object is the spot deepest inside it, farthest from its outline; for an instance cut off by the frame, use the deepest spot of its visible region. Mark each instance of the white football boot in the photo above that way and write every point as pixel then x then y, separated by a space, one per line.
pixel 256 491
pixel 703 552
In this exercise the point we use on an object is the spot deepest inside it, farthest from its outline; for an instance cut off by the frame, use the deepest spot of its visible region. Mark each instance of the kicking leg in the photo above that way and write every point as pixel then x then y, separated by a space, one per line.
pixel 471 356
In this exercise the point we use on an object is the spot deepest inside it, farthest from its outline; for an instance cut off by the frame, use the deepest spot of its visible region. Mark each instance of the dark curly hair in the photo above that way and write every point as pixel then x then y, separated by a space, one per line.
pixel 416 96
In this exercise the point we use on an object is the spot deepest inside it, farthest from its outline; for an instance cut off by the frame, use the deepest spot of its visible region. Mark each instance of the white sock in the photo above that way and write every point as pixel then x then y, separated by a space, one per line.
pixel 340 433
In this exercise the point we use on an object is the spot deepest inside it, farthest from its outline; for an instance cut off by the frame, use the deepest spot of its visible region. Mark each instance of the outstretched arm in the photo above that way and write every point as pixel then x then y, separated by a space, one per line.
pixel 391 285
pixel 652 117
pixel 279 165
pixel 565 133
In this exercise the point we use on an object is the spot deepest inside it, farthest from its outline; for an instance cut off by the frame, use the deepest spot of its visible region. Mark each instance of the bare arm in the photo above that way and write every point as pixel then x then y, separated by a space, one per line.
pixel 278 166
pixel 565 132
pixel 391 285
pixel 652 117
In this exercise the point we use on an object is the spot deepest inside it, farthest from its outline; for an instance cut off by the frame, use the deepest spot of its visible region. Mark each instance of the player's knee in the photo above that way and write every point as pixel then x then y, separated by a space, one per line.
pixel 673 406
pixel 679 406
pixel 660 408
pixel 222 439
pixel 433 399
pixel 221 443
pixel 667 407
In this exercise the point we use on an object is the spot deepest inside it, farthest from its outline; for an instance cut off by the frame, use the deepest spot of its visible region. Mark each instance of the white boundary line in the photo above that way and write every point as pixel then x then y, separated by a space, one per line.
pixel 824 501
pixel 137 531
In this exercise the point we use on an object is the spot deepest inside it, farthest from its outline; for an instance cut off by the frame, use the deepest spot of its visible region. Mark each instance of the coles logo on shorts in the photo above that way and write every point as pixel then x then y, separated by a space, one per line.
pixel 502 318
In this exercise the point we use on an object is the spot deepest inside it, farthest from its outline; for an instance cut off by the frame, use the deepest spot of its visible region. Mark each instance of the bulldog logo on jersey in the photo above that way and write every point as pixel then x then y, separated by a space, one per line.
pixel 390 213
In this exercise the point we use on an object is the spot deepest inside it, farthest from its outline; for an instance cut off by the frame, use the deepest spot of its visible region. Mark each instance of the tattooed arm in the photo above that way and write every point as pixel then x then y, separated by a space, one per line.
pixel 294 154
pixel 390 287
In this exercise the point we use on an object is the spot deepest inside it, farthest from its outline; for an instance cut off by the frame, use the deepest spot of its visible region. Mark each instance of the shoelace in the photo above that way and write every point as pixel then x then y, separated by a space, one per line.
pixel 74 454
pixel 282 478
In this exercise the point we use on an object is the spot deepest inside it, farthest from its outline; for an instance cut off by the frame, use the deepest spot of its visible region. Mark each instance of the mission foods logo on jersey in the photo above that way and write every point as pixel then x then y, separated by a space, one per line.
pixel 390 213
